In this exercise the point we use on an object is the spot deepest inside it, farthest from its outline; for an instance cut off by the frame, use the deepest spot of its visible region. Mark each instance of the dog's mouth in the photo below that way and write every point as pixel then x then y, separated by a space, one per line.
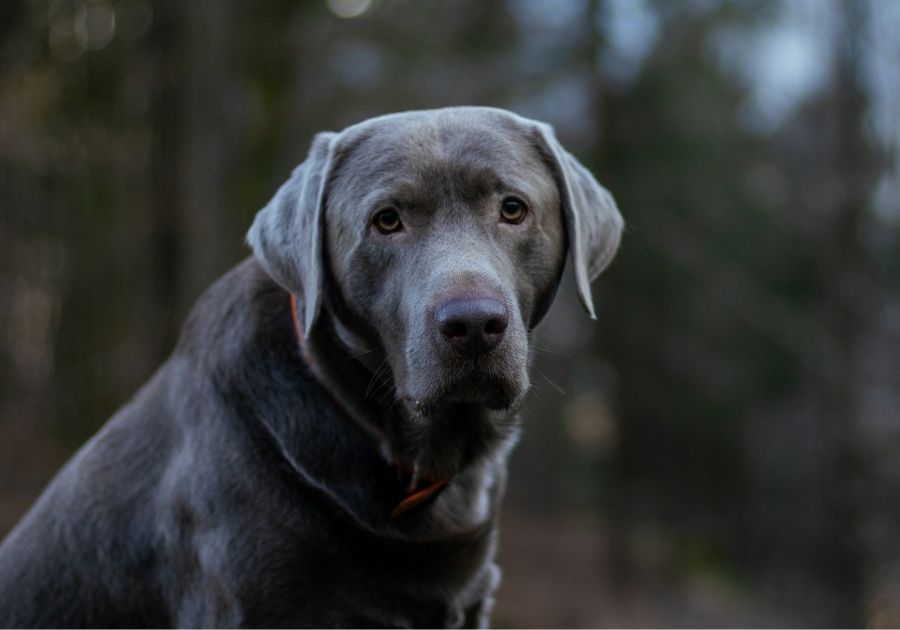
pixel 449 417
pixel 491 392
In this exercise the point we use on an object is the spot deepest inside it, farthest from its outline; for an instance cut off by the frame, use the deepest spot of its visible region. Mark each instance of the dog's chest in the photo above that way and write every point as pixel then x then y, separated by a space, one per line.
pixel 364 582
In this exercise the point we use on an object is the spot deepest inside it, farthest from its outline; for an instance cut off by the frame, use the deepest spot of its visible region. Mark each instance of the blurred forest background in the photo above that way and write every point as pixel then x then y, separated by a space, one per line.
pixel 722 448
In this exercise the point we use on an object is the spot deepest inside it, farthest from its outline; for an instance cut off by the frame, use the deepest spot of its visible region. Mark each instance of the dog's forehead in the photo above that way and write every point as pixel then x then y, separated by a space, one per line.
pixel 477 149
pixel 416 142
pixel 450 127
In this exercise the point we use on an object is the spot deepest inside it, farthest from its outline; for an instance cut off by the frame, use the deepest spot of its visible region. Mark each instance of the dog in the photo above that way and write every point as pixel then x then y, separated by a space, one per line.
pixel 327 444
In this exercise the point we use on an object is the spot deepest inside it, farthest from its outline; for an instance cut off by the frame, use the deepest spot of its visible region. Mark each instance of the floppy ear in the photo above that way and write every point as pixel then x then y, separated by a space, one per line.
pixel 593 222
pixel 287 235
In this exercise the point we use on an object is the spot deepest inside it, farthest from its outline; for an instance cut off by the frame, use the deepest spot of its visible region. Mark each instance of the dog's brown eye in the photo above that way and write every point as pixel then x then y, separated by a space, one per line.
pixel 388 221
pixel 513 210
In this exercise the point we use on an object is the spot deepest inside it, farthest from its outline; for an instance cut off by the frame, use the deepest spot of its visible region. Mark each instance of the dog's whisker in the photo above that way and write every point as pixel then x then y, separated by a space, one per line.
pixel 544 337
pixel 552 384
pixel 365 352
pixel 540 399
pixel 384 395
pixel 375 376
pixel 385 379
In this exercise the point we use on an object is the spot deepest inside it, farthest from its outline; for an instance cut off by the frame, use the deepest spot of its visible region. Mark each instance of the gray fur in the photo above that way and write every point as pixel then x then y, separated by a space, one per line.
pixel 247 485
pixel 593 223
pixel 287 234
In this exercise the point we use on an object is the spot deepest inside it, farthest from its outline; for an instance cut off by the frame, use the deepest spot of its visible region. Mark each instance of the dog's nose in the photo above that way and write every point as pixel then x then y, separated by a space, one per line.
pixel 472 325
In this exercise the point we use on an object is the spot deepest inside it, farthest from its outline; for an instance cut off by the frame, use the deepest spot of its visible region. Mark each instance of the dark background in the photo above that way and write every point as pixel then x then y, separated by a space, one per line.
pixel 721 448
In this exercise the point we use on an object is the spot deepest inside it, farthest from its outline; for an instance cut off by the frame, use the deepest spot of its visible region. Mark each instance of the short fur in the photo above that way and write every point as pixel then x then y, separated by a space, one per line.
pixel 252 484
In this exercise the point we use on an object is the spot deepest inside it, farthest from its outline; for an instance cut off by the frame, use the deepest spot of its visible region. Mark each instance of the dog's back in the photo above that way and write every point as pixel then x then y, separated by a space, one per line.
pixel 85 554
pixel 109 541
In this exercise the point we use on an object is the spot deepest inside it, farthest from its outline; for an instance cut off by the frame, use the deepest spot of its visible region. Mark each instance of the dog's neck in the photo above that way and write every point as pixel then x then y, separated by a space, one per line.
pixel 336 371
pixel 419 489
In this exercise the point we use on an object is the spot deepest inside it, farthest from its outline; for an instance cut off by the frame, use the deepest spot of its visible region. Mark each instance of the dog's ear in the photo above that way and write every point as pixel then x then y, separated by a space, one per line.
pixel 287 235
pixel 593 222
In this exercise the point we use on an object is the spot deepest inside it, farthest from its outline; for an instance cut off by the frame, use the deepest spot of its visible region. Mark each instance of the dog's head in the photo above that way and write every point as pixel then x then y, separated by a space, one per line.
pixel 435 241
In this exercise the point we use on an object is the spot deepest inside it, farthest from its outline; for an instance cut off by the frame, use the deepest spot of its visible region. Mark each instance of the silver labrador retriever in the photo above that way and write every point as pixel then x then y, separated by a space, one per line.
pixel 327 444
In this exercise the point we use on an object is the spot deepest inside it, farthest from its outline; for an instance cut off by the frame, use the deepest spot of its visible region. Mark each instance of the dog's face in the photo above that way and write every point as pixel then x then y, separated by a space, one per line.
pixel 434 241
pixel 445 240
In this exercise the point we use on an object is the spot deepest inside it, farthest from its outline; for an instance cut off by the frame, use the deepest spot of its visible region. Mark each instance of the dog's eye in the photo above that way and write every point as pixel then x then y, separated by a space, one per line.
pixel 513 210
pixel 388 221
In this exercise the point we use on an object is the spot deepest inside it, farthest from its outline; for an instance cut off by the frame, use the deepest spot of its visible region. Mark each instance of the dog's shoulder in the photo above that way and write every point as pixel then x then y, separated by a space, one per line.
pixel 231 311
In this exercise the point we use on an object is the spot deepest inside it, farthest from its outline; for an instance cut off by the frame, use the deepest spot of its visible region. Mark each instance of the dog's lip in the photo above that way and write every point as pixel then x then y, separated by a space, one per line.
pixel 479 387
pixel 493 401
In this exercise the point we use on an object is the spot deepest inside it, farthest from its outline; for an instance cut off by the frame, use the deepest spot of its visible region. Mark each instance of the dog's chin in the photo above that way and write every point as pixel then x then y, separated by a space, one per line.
pixel 492 394
pixel 440 433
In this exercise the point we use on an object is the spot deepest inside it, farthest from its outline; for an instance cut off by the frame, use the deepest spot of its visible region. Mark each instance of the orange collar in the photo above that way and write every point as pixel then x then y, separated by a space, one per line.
pixel 416 495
